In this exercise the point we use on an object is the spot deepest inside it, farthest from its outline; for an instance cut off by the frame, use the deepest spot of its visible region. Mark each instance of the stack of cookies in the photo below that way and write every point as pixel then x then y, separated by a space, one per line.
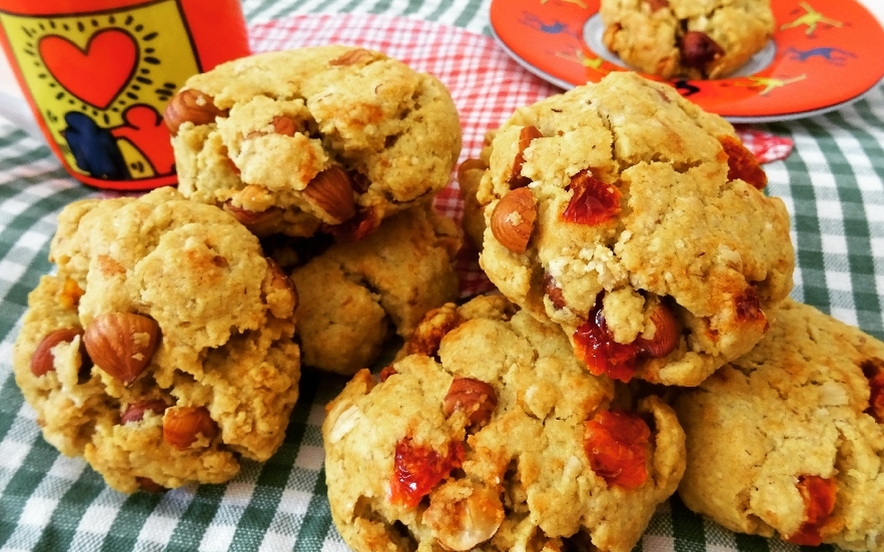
pixel 165 348
pixel 642 340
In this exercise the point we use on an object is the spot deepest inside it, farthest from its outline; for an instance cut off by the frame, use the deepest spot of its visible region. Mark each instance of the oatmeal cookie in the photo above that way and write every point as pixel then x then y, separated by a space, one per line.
pixel 162 349
pixel 788 439
pixel 329 138
pixel 357 293
pixel 637 222
pixel 491 436
pixel 686 38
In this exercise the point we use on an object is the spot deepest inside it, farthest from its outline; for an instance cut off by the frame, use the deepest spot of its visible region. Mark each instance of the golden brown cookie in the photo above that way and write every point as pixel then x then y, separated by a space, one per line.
pixel 788 440
pixel 637 222
pixel 355 294
pixel 686 38
pixel 162 349
pixel 491 436
pixel 325 137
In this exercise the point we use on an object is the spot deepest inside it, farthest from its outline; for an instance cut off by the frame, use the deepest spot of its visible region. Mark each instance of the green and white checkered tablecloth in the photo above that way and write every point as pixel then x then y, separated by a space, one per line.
pixel 833 186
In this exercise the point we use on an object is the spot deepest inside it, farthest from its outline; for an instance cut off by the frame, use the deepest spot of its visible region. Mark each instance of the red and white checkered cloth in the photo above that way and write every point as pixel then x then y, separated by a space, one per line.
pixel 486 84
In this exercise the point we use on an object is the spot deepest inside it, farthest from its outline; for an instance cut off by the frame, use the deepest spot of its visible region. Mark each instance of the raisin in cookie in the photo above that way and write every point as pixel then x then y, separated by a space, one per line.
pixel 325 137
pixel 686 38
pixel 789 439
pixel 356 293
pixel 491 436
pixel 162 349
pixel 636 221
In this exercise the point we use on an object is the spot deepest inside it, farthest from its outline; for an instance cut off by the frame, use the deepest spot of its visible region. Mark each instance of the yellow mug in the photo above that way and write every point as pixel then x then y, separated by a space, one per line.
pixel 98 75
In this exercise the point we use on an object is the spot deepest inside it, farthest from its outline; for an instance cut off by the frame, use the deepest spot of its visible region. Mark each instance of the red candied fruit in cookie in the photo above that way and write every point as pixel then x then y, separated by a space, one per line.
pixel 595 344
pixel 742 163
pixel 873 369
pixel 418 469
pixel 616 444
pixel 592 201
pixel 604 356
pixel 819 501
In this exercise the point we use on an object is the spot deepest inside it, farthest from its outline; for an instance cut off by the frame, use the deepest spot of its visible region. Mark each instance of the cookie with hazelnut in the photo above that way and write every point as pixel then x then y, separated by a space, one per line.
pixel 638 223
pixel 358 293
pixel 685 38
pixel 326 138
pixel 162 348
pixel 787 440
pixel 487 434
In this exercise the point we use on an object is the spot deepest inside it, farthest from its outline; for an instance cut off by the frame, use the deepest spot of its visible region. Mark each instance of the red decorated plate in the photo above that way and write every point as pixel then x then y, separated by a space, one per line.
pixel 822 56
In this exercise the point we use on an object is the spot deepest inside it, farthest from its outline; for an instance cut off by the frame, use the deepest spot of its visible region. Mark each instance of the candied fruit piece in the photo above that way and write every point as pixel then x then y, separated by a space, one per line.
pixel 604 356
pixel 595 344
pixel 819 501
pixel 592 201
pixel 616 443
pixel 418 469
pixel 742 163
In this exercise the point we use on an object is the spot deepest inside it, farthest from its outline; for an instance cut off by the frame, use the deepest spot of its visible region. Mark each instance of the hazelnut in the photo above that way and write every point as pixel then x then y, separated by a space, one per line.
pixel 526 135
pixel 474 397
pixel 698 50
pixel 512 220
pixel 552 290
pixel 135 411
pixel 259 223
pixel 332 192
pixel 285 126
pixel 182 425
pixel 462 515
pixel 193 106
pixel 43 360
pixel 353 57
pixel 666 333
pixel 122 343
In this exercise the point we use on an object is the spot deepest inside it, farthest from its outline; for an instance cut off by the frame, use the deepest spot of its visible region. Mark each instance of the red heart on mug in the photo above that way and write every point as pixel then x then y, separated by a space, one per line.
pixel 97 74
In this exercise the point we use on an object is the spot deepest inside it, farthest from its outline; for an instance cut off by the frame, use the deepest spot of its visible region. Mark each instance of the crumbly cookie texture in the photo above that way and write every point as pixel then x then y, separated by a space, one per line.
pixel 491 436
pixel 788 439
pixel 686 38
pixel 469 178
pixel 318 138
pixel 356 293
pixel 636 221
pixel 162 349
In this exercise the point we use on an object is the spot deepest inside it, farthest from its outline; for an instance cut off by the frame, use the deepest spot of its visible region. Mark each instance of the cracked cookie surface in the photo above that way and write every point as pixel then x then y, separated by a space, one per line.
pixel 686 38
pixel 794 427
pixel 636 221
pixel 487 434
pixel 161 350
pixel 355 294
pixel 326 137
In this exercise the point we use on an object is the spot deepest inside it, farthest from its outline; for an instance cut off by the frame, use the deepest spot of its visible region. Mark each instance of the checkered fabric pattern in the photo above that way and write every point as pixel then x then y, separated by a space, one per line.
pixel 832 183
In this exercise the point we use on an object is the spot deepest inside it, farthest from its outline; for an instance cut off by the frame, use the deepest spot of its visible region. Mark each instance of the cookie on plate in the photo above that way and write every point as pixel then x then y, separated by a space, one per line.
pixel 491 436
pixel 355 294
pixel 329 138
pixel 637 222
pixel 685 38
pixel 788 439
pixel 162 349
